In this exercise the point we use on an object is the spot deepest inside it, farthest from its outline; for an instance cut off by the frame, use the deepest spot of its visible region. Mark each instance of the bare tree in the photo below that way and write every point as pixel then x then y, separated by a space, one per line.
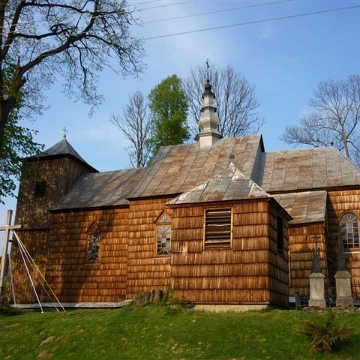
pixel 334 120
pixel 135 125
pixel 234 98
pixel 71 38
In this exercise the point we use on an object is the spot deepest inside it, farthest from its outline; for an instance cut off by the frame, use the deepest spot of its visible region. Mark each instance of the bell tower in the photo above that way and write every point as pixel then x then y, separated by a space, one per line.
pixel 209 120
pixel 51 174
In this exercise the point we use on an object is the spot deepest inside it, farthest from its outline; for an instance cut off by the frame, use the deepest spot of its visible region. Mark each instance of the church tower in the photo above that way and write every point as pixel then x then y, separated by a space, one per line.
pixel 51 175
pixel 209 120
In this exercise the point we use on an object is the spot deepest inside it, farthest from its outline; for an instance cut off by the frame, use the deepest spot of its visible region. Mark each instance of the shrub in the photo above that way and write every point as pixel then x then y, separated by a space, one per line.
pixel 325 332
pixel 9 311
pixel 173 303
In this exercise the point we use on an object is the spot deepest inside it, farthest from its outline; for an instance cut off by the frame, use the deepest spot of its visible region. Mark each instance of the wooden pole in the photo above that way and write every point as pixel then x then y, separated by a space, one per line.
pixel 7 228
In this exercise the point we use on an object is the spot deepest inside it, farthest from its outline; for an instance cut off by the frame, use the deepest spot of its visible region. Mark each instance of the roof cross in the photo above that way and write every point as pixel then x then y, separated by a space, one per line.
pixel 207 69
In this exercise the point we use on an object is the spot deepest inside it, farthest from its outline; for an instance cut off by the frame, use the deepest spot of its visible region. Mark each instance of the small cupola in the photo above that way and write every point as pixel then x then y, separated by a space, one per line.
pixel 209 120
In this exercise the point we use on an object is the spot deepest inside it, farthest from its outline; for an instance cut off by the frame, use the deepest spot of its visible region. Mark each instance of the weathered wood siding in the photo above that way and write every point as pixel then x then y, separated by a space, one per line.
pixel 59 173
pixel 146 270
pixel 36 242
pixel 69 273
pixel 301 245
pixel 250 271
pixel 341 202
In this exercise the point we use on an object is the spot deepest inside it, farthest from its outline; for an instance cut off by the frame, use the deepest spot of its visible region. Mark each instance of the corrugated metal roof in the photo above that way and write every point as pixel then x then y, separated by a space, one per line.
pixel 228 184
pixel 304 207
pixel 105 189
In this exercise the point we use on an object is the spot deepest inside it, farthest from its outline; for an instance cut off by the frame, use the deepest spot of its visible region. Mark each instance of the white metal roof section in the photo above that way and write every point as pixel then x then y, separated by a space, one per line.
pixel 226 185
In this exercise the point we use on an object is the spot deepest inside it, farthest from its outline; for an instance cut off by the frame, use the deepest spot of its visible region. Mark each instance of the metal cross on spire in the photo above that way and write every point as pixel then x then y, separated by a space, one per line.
pixel 207 69
pixel 65 130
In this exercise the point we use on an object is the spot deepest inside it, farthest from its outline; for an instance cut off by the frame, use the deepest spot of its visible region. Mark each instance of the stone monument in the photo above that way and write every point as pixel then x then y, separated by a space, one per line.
pixel 317 292
pixel 343 282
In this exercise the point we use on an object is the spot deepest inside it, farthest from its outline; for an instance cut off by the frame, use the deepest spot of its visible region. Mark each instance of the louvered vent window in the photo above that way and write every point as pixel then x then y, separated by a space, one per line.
pixel 218 228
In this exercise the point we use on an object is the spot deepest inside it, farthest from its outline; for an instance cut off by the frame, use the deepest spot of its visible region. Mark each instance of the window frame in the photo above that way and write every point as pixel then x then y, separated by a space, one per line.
pixel 163 221
pixel 355 239
pixel 93 236
pixel 224 240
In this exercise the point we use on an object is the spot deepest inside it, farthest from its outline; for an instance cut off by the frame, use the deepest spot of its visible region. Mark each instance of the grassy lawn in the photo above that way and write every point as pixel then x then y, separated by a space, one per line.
pixel 157 333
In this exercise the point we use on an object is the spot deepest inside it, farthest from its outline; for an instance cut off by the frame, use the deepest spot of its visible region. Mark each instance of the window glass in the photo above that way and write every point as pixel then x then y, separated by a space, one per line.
pixel 164 240
pixel 93 248
pixel 93 243
pixel 163 235
pixel 350 231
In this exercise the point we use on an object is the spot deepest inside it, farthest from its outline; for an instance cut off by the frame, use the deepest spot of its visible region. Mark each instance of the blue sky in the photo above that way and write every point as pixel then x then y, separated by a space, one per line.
pixel 284 48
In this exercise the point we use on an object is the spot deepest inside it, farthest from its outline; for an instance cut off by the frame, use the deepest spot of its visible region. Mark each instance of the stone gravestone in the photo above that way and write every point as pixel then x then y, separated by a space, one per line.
pixel 343 282
pixel 317 292
pixel 297 299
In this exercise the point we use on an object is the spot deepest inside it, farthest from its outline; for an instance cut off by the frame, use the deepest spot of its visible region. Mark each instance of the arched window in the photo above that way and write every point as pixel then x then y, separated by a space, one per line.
pixel 350 231
pixel 163 235
pixel 93 243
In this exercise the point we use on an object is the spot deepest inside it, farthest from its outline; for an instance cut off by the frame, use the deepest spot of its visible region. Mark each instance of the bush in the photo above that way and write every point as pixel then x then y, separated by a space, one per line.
pixel 9 311
pixel 325 332
pixel 173 303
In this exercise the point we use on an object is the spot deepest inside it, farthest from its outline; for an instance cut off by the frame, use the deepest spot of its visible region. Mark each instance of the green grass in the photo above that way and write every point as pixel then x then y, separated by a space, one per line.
pixel 156 333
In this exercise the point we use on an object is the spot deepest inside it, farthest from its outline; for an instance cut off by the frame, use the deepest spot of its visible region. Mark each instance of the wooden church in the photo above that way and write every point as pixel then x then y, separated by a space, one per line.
pixel 220 221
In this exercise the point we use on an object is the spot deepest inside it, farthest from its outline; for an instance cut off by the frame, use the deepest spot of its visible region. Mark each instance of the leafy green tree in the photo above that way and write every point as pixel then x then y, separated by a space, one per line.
pixel 18 143
pixel 169 106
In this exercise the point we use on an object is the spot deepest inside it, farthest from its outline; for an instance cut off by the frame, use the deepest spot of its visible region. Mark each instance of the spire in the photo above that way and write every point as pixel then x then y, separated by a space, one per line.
pixel 209 120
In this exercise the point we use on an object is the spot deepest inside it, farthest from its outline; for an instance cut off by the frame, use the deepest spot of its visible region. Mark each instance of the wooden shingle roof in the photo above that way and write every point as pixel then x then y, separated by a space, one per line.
pixel 297 179
pixel 99 190
pixel 60 149
pixel 304 207
pixel 179 168
pixel 307 169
